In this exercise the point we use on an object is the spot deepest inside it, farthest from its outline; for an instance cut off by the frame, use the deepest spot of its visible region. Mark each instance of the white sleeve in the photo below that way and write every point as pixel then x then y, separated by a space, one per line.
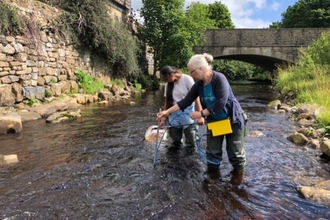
pixel 165 89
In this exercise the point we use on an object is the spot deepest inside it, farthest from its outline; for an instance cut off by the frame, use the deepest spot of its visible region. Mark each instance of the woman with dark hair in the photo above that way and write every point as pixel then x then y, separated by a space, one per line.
pixel 176 88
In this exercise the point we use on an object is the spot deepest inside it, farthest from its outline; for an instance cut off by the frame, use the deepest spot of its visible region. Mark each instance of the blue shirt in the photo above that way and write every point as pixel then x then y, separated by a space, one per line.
pixel 209 99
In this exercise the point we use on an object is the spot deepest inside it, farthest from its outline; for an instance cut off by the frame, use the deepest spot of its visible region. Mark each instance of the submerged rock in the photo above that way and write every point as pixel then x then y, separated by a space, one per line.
pixel 10 123
pixel 8 159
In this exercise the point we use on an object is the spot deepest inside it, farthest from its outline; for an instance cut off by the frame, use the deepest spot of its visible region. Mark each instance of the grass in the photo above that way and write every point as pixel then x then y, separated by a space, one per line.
pixel 309 78
pixel 91 85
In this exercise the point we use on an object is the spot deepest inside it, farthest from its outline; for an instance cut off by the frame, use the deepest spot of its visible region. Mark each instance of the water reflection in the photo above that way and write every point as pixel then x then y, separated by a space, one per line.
pixel 99 167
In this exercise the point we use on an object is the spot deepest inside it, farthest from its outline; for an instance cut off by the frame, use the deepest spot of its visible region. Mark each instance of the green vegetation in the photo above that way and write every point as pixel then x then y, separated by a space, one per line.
pixel 173 32
pixel 90 84
pixel 220 14
pixel 305 14
pixel 237 70
pixel 168 29
pixel 10 22
pixel 309 78
pixel 118 83
pixel 197 20
pixel 149 81
pixel 164 33
pixel 138 85
pixel 53 80
pixel 73 91
pixel 48 93
pixel 31 101
pixel 92 28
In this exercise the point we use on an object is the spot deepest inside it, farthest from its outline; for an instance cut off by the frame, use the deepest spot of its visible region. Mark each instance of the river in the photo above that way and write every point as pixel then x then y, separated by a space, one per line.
pixel 100 167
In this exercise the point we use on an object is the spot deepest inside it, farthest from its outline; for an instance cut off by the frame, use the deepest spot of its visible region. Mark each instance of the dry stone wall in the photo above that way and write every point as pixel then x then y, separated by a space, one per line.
pixel 41 63
pixel 31 68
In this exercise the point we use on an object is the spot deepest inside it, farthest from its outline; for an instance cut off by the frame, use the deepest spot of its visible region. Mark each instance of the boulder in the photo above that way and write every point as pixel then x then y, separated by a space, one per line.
pixel 7 97
pixel 318 195
pixel 10 123
pixel 325 146
pixel 8 159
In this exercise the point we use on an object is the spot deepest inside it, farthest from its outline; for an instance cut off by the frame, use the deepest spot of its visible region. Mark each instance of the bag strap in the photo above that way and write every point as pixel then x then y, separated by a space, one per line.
pixel 232 103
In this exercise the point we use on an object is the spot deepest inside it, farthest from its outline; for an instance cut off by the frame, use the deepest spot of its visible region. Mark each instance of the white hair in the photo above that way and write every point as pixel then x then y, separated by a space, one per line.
pixel 201 60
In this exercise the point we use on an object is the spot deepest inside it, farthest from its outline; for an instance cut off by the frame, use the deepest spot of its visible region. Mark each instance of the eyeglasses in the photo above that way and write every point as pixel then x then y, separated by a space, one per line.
pixel 191 72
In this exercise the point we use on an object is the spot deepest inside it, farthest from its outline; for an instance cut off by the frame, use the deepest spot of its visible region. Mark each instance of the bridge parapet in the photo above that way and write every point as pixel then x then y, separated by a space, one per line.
pixel 283 37
pixel 266 48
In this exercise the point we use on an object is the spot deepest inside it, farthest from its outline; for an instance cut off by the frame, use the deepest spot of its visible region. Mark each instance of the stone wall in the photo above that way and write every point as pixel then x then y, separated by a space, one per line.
pixel 292 37
pixel 119 9
pixel 43 62
pixel 31 67
pixel 147 61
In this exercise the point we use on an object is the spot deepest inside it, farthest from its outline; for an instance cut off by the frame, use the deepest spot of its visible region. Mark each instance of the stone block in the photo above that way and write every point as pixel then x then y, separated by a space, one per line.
pixel 7 98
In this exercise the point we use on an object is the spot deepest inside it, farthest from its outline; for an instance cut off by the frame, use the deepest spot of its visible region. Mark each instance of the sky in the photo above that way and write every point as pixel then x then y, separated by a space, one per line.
pixel 245 13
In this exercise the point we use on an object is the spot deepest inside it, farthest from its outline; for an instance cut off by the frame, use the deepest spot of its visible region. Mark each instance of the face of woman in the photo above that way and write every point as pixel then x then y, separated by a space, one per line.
pixel 196 73
pixel 169 78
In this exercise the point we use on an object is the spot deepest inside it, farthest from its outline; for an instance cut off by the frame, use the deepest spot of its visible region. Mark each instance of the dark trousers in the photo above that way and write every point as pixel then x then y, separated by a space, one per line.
pixel 176 133
pixel 234 147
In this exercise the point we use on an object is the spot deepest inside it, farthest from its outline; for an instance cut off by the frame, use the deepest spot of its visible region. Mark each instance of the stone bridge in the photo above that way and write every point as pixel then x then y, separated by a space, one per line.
pixel 266 48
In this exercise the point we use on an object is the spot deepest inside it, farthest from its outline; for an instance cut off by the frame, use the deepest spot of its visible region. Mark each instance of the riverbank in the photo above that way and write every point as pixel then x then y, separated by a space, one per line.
pixel 58 109
pixel 307 81
pixel 308 135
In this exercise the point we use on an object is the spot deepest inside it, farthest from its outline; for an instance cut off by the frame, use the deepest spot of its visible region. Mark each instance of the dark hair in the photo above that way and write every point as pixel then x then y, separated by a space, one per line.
pixel 165 72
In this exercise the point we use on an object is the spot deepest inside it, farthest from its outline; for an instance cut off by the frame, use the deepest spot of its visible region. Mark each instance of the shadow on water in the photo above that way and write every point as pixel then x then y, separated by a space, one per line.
pixel 99 167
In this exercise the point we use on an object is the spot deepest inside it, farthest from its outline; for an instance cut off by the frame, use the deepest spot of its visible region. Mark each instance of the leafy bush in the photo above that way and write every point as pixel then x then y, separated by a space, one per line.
pixel 10 22
pixel 149 81
pixel 91 27
pixel 319 52
pixel 138 85
pixel 118 83
pixel 48 93
pixel 31 101
pixel 91 85
pixel 238 70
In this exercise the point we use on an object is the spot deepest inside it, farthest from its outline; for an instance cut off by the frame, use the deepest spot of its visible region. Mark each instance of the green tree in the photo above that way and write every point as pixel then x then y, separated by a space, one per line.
pixel 318 52
pixel 307 13
pixel 197 22
pixel 238 70
pixel 276 24
pixel 220 14
pixel 162 31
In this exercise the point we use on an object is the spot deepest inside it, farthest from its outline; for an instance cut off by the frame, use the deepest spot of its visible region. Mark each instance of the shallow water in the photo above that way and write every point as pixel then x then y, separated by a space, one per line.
pixel 99 167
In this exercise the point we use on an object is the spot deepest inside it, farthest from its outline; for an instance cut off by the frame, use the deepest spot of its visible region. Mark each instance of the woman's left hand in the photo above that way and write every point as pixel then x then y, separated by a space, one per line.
pixel 195 115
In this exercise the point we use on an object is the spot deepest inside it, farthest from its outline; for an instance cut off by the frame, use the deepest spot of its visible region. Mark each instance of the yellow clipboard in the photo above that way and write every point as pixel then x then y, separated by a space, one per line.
pixel 221 127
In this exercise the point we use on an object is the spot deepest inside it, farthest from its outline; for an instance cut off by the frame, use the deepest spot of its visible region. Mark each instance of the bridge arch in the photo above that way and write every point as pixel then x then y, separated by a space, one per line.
pixel 266 48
